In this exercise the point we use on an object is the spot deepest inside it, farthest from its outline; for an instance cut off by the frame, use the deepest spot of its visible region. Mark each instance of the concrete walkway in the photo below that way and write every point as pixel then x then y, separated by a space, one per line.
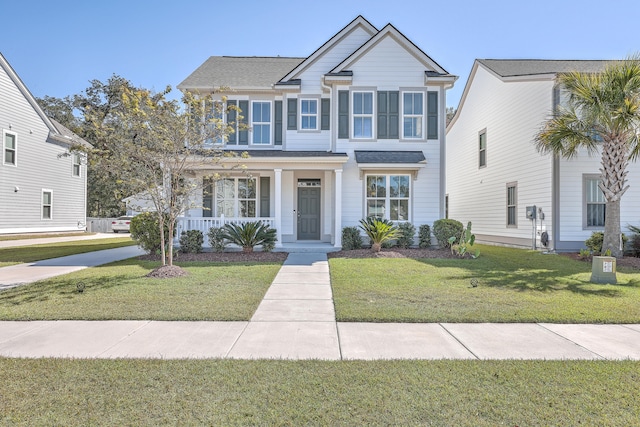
pixel 296 320
pixel 69 238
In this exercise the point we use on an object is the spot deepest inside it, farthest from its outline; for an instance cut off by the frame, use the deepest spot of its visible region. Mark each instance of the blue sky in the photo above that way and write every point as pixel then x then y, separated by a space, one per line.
pixel 57 47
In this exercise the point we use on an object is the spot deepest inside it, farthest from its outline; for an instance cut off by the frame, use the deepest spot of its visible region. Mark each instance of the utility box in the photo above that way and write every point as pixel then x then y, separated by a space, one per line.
pixel 603 270
pixel 531 212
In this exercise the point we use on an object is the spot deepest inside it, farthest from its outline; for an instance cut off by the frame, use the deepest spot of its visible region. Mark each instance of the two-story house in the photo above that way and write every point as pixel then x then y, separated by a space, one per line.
pixel 494 171
pixel 355 129
pixel 42 185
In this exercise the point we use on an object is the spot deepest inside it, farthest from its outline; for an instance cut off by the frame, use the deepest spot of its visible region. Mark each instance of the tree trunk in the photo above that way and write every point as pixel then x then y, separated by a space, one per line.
pixel 612 236
pixel 170 245
pixel 247 249
pixel 375 247
pixel 162 242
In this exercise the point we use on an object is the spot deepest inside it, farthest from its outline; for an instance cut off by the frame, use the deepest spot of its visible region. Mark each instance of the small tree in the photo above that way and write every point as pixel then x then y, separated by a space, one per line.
pixel 379 231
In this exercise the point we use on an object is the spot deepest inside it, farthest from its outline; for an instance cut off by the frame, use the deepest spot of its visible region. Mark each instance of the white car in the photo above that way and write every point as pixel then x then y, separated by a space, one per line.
pixel 121 224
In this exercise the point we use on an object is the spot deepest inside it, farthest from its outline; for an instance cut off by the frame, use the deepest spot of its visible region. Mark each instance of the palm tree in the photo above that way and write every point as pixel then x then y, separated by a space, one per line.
pixel 603 114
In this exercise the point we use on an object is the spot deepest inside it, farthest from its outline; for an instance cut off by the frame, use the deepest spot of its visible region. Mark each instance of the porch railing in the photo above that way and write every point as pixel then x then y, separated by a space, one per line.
pixel 205 223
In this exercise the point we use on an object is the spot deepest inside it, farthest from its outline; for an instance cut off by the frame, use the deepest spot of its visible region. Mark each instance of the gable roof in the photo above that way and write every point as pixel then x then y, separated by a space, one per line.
pixel 532 67
pixel 391 31
pixel 57 132
pixel 358 22
pixel 239 72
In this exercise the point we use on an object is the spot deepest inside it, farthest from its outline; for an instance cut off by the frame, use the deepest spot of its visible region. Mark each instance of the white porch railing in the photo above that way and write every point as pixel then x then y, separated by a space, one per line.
pixel 205 223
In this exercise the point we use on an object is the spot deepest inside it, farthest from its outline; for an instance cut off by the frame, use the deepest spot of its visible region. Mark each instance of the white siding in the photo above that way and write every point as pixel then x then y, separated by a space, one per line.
pixel 511 113
pixel 39 166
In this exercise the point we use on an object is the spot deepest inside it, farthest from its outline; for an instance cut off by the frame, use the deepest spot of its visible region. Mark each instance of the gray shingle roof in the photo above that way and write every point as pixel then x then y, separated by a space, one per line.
pixel 240 72
pixel 408 157
pixel 529 67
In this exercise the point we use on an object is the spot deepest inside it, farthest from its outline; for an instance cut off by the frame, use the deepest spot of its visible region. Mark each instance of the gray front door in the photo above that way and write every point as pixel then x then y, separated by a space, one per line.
pixel 308 213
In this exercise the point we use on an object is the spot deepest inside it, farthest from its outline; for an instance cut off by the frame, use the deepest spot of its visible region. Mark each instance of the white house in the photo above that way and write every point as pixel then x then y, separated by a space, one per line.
pixel 42 185
pixel 355 129
pixel 494 171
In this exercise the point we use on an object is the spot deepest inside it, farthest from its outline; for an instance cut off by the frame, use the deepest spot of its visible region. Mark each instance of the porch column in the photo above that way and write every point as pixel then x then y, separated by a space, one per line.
pixel 278 207
pixel 337 233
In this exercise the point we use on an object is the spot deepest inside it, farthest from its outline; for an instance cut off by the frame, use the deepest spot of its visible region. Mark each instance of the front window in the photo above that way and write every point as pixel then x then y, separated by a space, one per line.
pixel 412 111
pixel 595 203
pixel 236 197
pixel 76 164
pixel 47 204
pixel 512 203
pixel 363 114
pixel 10 149
pixel 261 122
pixel 309 114
pixel 388 196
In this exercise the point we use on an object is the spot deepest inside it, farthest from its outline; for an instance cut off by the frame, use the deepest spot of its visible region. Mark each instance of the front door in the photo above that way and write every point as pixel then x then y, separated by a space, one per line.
pixel 308 213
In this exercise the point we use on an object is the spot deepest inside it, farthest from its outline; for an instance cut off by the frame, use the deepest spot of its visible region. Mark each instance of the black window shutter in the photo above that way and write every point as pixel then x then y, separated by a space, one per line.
pixel 231 118
pixel 394 115
pixel 277 123
pixel 432 115
pixel 265 197
pixel 325 114
pixel 383 114
pixel 343 114
pixel 243 135
pixel 292 114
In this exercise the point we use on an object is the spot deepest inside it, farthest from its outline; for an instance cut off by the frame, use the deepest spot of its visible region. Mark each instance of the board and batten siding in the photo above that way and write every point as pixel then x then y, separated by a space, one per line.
pixel 39 166
pixel 511 113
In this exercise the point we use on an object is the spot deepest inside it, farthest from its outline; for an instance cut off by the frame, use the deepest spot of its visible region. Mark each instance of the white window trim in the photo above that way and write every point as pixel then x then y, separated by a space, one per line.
pixel 352 115
pixel 42 205
pixel 317 114
pixel 586 177
pixel 482 132
pixel 236 199
pixel 388 197
pixel 270 123
pixel 74 164
pixel 4 147
pixel 422 116
pixel 514 205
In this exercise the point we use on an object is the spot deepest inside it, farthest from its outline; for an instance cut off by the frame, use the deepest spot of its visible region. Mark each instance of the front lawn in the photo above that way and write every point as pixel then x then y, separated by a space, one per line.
pixel 230 291
pixel 46 392
pixel 31 253
pixel 513 285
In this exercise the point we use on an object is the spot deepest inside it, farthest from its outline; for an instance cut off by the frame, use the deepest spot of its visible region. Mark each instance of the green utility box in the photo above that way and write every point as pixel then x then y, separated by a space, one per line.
pixel 603 270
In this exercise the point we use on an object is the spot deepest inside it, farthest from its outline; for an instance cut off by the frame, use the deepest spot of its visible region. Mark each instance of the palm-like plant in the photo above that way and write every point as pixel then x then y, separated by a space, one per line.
pixel 379 231
pixel 250 234
pixel 603 114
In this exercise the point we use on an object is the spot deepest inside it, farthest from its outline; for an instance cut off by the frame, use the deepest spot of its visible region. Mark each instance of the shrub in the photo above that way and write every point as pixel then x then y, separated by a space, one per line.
pixel 146 231
pixel 191 241
pixel 424 236
pixel 379 231
pixel 216 239
pixel 594 243
pixel 405 236
pixel 444 229
pixel 465 243
pixel 634 241
pixel 250 234
pixel 351 238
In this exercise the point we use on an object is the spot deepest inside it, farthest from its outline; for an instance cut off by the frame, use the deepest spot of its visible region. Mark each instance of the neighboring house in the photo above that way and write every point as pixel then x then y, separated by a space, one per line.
pixel 139 203
pixel 42 185
pixel 355 129
pixel 494 171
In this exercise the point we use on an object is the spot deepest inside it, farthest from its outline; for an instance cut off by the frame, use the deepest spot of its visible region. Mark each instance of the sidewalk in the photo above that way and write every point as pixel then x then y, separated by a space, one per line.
pixel 296 320
pixel 71 238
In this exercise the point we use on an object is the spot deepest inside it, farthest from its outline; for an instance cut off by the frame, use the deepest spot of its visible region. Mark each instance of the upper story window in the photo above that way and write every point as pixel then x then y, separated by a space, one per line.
pixel 388 196
pixel 362 115
pixel 10 148
pixel 309 114
pixel 482 149
pixel 261 122
pixel 594 202
pixel 412 115
pixel 512 205
pixel 76 164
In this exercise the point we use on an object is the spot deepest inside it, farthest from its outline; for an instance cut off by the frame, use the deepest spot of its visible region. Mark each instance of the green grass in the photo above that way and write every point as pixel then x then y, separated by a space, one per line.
pixel 43 236
pixel 47 392
pixel 230 291
pixel 513 286
pixel 22 254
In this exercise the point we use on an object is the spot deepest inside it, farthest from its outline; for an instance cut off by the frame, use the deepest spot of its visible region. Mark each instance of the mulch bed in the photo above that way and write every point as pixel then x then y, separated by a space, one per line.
pixel 393 253
pixel 167 272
